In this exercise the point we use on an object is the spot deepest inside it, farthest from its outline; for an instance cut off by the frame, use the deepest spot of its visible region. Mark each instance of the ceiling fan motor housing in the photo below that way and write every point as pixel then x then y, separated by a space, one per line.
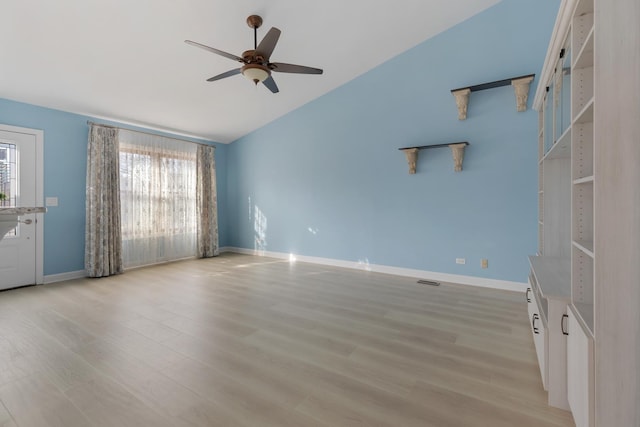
pixel 253 57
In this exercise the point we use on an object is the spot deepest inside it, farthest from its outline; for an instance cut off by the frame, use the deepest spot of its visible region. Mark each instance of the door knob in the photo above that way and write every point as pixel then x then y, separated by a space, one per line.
pixel 26 221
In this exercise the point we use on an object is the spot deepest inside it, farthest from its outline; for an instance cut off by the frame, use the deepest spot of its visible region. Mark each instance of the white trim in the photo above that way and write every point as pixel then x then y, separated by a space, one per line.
pixel 39 135
pixel 558 37
pixel 398 271
pixel 53 278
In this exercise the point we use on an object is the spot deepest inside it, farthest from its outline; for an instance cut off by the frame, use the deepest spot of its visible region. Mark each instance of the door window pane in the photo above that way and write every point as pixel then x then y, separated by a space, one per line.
pixel 8 178
pixel 8 174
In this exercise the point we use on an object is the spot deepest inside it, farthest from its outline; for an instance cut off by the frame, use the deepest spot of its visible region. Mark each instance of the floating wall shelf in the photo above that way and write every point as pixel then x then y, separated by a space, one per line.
pixel 457 150
pixel 520 86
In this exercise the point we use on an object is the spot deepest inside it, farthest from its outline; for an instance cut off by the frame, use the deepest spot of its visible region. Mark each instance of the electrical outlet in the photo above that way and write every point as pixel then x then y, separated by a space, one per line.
pixel 484 263
pixel 460 261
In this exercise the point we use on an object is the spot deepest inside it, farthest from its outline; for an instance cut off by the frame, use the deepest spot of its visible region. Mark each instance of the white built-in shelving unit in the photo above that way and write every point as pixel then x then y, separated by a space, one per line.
pixel 565 260
pixel 583 103
pixel 589 199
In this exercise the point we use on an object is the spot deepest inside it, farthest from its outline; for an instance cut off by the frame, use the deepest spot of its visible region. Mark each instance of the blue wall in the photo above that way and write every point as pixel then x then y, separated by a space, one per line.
pixel 327 180
pixel 65 169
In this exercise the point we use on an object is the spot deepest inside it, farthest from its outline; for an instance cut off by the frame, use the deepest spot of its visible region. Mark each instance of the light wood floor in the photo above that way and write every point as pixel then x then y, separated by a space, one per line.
pixel 247 341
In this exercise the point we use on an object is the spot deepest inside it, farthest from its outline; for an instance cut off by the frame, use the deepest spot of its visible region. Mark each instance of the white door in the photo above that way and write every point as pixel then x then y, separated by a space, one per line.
pixel 21 185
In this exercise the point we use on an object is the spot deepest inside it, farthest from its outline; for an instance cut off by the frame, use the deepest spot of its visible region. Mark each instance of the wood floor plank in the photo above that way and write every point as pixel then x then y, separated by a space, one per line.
pixel 331 409
pixel 496 363
pixel 199 324
pixel 248 374
pixel 265 320
pixel 13 364
pixel 151 352
pixel 219 341
pixel 68 333
pixel 463 410
pixel 386 406
pixel 5 418
pixel 208 414
pixel 44 354
pixel 250 407
pixel 107 403
pixel 152 387
pixel 34 401
pixel 246 341
pixel 532 403
pixel 329 363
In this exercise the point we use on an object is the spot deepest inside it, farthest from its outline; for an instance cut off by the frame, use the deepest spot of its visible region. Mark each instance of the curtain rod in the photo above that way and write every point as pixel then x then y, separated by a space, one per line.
pixel 89 122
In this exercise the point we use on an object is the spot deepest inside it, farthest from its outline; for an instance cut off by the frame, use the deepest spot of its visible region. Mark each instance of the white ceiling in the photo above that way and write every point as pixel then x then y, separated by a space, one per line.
pixel 126 60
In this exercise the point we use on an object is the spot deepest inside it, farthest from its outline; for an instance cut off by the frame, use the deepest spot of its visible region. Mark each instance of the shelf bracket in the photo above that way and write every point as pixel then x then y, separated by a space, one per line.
pixel 457 150
pixel 520 84
pixel 458 155
pixel 462 101
pixel 412 158
pixel 521 87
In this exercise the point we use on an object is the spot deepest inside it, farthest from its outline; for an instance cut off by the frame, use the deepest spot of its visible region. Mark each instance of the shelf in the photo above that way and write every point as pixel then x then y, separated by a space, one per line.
pixel 586 115
pixel 585 246
pixel 561 148
pixel 584 58
pixel 423 147
pixel 494 84
pixel 553 275
pixel 584 7
pixel 584 314
pixel 457 148
pixel 585 180
pixel 520 85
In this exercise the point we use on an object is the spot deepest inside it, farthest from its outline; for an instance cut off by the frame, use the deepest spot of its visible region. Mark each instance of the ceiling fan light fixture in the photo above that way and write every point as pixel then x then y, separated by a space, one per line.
pixel 256 72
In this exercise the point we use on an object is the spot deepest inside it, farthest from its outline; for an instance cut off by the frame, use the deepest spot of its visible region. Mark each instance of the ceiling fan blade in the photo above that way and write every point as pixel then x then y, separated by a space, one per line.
pixel 225 75
pixel 268 43
pixel 271 84
pixel 216 51
pixel 280 67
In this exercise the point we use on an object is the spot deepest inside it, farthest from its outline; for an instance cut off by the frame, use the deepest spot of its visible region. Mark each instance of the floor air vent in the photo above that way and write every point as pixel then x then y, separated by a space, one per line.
pixel 428 282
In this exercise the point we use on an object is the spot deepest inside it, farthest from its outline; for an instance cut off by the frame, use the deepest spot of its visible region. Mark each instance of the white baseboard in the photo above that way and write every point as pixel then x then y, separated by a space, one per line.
pixel 398 271
pixel 53 278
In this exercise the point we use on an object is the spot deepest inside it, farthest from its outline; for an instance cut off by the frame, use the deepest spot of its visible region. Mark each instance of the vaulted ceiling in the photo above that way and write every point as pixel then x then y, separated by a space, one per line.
pixel 127 60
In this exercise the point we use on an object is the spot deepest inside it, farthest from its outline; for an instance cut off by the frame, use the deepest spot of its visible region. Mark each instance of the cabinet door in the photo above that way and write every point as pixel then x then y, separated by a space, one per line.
pixel 580 373
pixel 539 336
pixel 557 349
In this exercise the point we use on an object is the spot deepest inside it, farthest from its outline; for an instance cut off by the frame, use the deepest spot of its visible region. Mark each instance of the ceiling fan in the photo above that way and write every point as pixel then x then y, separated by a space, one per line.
pixel 257 66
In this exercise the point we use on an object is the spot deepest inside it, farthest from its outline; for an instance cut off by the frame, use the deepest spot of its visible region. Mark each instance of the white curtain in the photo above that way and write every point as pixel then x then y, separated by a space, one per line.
pixel 158 198
pixel 103 256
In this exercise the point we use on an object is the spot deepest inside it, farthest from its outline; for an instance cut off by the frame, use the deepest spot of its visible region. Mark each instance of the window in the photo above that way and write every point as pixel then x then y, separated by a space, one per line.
pixel 158 198
pixel 8 179
pixel 8 174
